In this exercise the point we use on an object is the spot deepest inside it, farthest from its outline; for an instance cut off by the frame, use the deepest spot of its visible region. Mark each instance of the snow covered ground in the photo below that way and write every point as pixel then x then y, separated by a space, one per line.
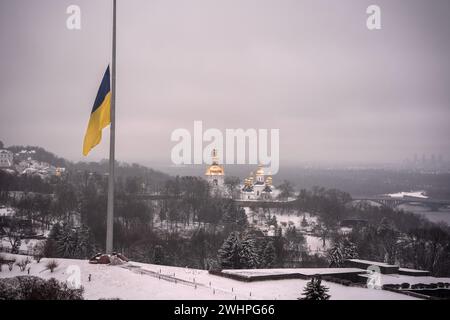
pixel 6 211
pixel 26 245
pixel 290 217
pixel 145 281
pixel 315 244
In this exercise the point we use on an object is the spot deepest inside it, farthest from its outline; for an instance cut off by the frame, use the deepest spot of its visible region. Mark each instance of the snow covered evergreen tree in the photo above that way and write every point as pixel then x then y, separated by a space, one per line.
pixel 314 290
pixel 249 255
pixel 66 241
pixel 85 243
pixel 341 251
pixel 269 255
pixel 335 256
pixel 349 250
pixel 228 254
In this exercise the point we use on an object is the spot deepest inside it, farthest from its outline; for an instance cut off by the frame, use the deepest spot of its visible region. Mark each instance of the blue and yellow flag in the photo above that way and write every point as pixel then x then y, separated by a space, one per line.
pixel 100 115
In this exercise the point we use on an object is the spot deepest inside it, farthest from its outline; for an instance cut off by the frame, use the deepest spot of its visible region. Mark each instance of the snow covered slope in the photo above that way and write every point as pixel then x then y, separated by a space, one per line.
pixel 145 281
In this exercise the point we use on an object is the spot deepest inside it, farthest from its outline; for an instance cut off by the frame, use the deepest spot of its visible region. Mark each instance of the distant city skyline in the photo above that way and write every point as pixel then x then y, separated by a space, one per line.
pixel 337 92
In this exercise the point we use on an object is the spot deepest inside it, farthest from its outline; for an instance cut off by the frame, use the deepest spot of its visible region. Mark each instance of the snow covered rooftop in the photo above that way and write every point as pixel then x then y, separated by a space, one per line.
pixel 293 271
pixel 374 263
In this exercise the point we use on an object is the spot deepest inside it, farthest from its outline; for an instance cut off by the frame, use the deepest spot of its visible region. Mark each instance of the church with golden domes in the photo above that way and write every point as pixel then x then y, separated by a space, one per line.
pixel 215 174
pixel 257 186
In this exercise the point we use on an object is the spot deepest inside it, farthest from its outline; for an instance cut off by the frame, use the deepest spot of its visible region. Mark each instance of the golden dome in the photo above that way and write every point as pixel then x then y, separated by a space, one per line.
pixel 260 171
pixel 214 170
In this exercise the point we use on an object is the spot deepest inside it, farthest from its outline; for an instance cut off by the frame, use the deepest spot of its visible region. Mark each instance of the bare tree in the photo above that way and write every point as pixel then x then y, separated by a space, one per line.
pixel 14 232
pixel 232 185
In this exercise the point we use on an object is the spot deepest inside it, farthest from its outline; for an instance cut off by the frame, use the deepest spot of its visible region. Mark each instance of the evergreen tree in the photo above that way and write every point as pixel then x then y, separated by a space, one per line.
pixel 66 241
pixel 269 254
pixel 51 244
pixel 314 290
pixel 249 255
pixel 234 218
pixel 341 251
pixel 85 245
pixel 335 256
pixel 228 254
pixel 158 255
pixel 349 250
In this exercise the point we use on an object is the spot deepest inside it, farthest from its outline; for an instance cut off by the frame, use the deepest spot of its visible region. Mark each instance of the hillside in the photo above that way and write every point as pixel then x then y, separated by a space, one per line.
pixel 123 169
pixel 138 281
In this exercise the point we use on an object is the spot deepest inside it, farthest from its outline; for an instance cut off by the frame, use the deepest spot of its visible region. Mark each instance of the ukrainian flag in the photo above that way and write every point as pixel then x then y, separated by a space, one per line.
pixel 100 115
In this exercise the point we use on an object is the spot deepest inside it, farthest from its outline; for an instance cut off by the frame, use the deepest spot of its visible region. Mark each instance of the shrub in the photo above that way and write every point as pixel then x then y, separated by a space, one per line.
pixel 346 282
pixel 34 288
pixel 420 286
pixel 432 286
pixel 51 265
pixel 213 265
pixel 405 285
pixel 38 251
pixel 440 285
pixel 22 264
pixel 391 286
pixel 10 262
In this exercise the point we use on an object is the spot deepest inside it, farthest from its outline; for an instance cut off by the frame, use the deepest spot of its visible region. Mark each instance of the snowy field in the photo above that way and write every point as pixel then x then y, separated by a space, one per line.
pixel 140 281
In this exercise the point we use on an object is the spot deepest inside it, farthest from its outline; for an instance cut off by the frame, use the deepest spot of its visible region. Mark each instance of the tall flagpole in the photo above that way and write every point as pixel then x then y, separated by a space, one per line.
pixel 110 208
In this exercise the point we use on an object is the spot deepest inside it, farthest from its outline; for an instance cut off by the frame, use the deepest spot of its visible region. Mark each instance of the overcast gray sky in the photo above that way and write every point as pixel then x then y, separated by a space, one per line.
pixel 336 91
